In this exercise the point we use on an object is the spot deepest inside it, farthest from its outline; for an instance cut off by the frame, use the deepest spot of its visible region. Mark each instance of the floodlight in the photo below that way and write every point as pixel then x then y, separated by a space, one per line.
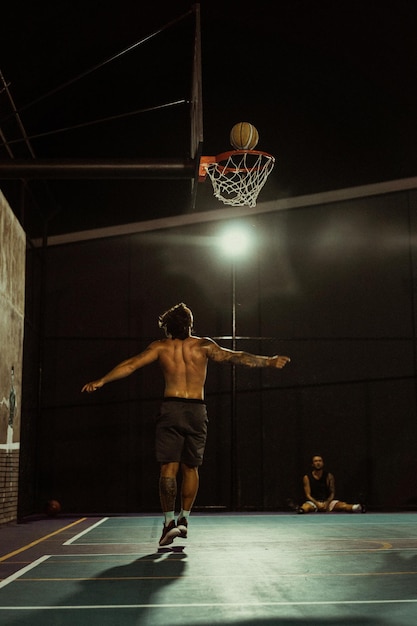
pixel 235 241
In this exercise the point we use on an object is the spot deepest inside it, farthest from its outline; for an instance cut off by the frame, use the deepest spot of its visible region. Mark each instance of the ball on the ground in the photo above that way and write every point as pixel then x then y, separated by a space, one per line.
pixel 244 136
pixel 53 507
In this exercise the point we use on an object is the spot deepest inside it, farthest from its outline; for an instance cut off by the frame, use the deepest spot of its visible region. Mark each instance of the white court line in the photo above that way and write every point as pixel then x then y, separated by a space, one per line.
pixel 90 555
pixel 204 605
pixel 22 571
pixel 84 532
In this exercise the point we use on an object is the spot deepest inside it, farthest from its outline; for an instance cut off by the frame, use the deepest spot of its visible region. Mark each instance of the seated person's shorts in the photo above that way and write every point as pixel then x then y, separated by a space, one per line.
pixel 330 508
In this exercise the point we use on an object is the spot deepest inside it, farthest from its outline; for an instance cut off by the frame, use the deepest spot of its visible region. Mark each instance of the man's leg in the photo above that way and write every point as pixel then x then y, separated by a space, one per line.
pixel 189 489
pixel 168 486
pixel 307 507
pixel 168 495
pixel 347 508
pixel 190 484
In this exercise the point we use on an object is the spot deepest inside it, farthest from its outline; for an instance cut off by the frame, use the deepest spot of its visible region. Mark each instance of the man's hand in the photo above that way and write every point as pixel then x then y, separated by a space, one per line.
pixel 93 386
pixel 280 361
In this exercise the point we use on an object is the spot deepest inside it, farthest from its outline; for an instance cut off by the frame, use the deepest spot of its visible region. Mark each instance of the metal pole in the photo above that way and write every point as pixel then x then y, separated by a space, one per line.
pixel 234 459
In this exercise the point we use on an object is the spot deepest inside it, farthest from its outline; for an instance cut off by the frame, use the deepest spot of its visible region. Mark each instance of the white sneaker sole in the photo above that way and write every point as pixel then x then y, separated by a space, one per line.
pixel 169 537
pixel 183 531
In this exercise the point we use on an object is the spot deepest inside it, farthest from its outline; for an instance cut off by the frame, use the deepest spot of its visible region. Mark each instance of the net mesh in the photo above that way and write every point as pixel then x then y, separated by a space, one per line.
pixel 238 177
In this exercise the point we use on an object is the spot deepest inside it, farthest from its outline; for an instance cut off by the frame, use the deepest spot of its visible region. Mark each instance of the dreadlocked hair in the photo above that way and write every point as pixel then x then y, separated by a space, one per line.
pixel 176 321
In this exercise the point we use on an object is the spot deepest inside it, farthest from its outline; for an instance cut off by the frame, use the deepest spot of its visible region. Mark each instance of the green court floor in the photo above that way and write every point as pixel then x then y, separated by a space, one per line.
pixel 247 569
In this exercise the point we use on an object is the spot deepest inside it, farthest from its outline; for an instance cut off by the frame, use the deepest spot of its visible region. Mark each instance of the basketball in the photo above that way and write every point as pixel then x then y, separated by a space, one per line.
pixel 52 508
pixel 244 136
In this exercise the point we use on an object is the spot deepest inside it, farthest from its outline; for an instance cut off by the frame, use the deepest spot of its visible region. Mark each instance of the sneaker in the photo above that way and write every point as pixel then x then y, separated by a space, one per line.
pixel 182 526
pixel 169 533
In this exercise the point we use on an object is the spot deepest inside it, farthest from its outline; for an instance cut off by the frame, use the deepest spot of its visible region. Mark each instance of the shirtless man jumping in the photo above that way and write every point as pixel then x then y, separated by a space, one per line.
pixel 181 429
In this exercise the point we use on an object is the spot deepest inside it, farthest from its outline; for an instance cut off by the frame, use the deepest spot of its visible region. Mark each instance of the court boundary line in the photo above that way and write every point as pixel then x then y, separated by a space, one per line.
pixel 23 570
pixel 37 541
pixel 207 604
pixel 205 577
pixel 84 532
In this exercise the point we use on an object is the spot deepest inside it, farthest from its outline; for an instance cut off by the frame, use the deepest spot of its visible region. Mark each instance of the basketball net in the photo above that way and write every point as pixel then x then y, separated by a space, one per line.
pixel 237 176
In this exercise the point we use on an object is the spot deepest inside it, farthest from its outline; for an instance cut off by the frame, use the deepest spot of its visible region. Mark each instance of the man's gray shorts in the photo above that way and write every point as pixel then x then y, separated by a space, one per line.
pixel 181 431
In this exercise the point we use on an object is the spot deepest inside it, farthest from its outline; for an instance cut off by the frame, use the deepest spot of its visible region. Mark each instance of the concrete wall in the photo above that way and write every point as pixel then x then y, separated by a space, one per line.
pixel 12 306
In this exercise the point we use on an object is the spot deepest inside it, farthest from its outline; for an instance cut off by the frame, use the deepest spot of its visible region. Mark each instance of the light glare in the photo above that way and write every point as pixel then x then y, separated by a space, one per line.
pixel 235 242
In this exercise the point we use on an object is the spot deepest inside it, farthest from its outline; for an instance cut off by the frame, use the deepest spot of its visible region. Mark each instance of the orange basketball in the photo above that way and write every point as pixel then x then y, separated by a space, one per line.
pixel 53 507
pixel 244 136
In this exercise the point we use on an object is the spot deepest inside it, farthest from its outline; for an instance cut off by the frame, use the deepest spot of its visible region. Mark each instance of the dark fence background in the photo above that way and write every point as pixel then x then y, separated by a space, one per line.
pixel 332 286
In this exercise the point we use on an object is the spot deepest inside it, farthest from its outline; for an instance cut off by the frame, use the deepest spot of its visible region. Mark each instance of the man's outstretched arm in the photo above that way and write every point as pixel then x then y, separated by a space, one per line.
pixel 124 369
pixel 219 354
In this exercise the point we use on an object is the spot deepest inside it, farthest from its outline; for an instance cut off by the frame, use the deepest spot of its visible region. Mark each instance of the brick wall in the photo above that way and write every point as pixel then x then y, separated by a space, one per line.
pixel 9 472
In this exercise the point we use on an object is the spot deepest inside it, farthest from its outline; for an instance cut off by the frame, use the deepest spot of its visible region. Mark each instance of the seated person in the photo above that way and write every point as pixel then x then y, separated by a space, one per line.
pixel 319 489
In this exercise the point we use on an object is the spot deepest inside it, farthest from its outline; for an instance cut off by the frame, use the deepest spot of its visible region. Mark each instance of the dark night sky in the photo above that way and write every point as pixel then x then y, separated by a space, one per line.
pixel 330 86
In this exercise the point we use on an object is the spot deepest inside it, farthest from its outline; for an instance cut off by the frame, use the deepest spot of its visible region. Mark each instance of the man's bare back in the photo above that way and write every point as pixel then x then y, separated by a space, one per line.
pixel 184 365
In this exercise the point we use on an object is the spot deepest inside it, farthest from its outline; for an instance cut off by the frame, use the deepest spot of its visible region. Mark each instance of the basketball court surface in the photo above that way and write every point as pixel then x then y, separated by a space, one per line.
pixel 247 569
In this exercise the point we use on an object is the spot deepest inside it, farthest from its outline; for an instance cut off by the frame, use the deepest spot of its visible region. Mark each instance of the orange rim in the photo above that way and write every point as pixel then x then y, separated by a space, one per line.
pixel 224 156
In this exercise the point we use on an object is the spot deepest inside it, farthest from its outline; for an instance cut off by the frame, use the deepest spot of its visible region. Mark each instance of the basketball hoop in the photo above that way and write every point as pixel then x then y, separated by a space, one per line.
pixel 237 176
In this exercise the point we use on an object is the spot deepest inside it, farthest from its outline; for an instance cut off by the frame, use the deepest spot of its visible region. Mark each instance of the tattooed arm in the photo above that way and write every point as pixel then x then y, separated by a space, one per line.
pixel 219 354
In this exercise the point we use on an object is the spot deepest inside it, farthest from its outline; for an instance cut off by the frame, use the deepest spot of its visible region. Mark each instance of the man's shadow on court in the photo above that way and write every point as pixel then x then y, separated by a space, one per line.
pixel 127 592
pixel 137 583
